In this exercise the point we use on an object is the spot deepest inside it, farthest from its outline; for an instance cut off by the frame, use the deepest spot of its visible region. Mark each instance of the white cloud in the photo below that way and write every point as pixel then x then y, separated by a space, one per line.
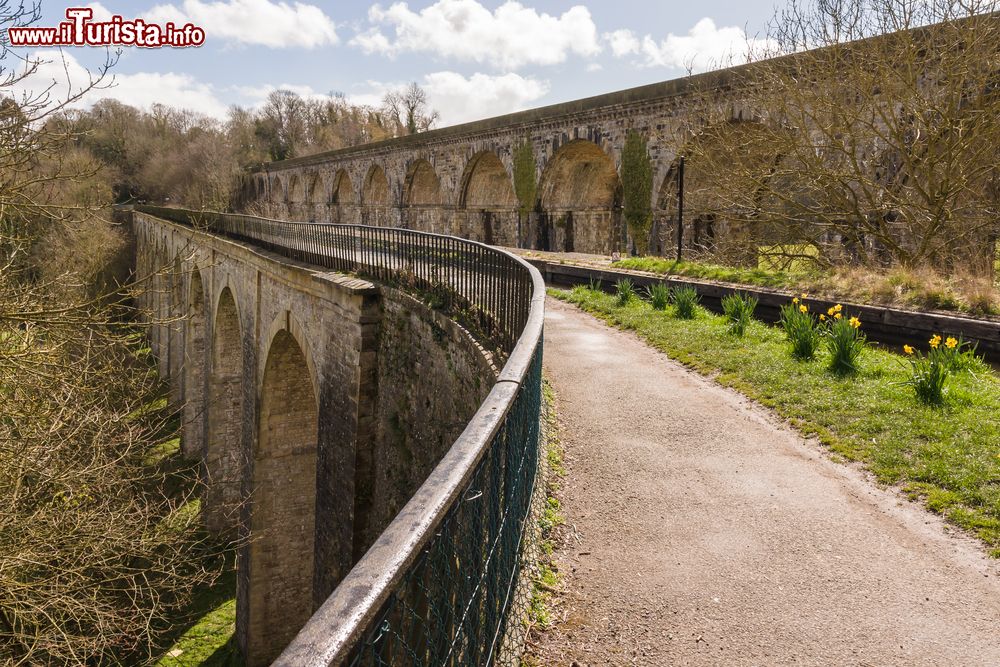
pixel 705 47
pixel 258 22
pixel 509 37
pixel 64 77
pixel 100 12
pixel 461 99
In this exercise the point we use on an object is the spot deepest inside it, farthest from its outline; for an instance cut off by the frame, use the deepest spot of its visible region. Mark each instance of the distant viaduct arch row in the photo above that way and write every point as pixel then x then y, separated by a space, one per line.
pixel 460 180
pixel 276 369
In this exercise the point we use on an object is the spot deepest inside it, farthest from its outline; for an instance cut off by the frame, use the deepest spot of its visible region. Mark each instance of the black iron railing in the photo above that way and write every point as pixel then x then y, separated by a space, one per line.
pixel 443 583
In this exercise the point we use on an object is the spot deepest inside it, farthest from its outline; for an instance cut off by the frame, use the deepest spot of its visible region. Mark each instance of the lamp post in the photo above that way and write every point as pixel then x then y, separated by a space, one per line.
pixel 680 207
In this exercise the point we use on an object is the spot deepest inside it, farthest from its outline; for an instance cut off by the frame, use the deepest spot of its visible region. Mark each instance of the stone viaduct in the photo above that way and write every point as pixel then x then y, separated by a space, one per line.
pixel 462 180
pixel 316 402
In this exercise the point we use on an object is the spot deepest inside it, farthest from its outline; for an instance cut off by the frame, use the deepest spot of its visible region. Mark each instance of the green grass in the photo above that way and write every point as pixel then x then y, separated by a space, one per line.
pixel 949 456
pixel 760 277
pixel 203 636
pixel 209 642
pixel 547 578
pixel 921 289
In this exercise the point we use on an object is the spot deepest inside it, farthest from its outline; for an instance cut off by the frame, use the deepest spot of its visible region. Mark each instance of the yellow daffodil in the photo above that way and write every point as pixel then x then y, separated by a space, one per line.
pixel 831 311
pixel 803 308
pixel 837 316
pixel 795 300
pixel 934 342
pixel 805 296
pixel 855 322
pixel 907 349
pixel 822 317
pixel 950 343
pixel 838 308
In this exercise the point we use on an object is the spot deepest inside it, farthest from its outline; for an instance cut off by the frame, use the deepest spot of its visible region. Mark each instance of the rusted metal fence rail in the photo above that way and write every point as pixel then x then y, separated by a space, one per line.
pixel 440 586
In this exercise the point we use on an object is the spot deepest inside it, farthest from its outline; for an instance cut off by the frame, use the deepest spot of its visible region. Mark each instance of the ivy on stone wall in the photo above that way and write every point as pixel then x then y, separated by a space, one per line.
pixel 637 189
pixel 525 185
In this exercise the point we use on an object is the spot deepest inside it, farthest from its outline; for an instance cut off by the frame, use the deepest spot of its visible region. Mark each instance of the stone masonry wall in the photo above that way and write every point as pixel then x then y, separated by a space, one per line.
pixel 431 378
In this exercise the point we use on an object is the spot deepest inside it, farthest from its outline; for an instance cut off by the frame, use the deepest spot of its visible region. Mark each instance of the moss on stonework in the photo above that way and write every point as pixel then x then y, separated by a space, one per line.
pixel 637 189
pixel 525 184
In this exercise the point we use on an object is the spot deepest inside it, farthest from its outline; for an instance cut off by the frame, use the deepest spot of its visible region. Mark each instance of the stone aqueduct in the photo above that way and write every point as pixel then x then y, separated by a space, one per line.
pixel 460 180
pixel 305 396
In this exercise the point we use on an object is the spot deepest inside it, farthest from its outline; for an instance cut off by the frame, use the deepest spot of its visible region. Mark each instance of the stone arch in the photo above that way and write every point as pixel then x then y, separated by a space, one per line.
pixel 224 442
pixel 580 198
pixel 376 187
pixel 487 193
pixel 317 190
pixel 195 361
pixel 277 190
pixel 422 186
pixel 727 214
pixel 283 502
pixel 343 189
pixel 176 312
pixel 296 189
pixel 375 197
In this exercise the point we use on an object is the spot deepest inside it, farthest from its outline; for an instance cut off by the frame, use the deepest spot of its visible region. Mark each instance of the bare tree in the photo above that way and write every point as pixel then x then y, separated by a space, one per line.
pixel 871 132
pixel 100 541
pixel 410 109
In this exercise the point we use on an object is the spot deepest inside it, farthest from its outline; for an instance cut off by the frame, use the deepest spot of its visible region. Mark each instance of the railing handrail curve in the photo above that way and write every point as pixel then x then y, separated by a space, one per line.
pixel 333 631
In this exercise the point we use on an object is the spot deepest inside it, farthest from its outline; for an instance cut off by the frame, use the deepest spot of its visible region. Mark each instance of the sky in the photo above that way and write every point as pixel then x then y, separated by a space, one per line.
pixel 474 58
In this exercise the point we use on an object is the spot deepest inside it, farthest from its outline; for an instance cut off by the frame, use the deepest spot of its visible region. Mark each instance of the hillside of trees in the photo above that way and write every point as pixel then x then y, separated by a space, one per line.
pixel 168 155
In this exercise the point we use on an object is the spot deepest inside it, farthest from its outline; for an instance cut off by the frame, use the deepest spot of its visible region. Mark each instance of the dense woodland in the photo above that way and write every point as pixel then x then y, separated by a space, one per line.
pixel 169 155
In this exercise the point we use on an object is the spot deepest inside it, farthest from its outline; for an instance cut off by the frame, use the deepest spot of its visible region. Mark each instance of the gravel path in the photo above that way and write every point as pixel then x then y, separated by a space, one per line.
pixel 702 531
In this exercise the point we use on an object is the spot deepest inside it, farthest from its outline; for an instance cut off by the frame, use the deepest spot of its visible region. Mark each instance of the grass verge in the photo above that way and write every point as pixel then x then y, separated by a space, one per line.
pixel 920 289
pixel 547 578
pixel 947 456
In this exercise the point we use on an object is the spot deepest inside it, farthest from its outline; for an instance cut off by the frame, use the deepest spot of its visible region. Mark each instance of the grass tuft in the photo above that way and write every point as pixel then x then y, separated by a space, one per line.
pixel 658 295
pixel 738 309
pixel 685 302
pixel 625 291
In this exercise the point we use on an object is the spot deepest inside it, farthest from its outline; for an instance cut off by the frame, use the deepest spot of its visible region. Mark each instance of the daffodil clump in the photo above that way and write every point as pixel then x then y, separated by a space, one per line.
pixel 843 337
pixel 844 340
pixel 929 372
pixel 801 327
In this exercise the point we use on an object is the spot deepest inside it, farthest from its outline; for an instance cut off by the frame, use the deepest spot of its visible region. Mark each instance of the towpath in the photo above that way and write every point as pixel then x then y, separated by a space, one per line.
pixel 703 531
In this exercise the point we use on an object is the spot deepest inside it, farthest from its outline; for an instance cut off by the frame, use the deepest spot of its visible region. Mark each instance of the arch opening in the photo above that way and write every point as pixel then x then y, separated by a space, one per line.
pixel 225 420
pixel 581 200
pixel 343 191
pixel 737 181
pixel 296 190
pixel 491 205
pixel 194 369
pixel 375 197
pixel 422 187
pixel 277 191
pixel 283 503
pixel 376 190
pixel 317 190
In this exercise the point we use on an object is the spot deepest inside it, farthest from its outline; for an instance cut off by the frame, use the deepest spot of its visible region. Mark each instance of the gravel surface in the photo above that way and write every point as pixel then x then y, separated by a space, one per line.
pixel 701 530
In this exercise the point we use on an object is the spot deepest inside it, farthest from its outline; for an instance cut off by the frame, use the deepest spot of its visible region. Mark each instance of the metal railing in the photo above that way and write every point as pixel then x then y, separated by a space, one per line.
pixel 440 586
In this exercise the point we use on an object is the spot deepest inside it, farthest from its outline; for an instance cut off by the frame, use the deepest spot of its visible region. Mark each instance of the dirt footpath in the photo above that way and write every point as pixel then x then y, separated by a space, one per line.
pixel 702 531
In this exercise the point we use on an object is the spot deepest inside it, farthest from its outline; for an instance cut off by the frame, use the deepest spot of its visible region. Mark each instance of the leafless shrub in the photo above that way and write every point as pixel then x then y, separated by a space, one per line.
pixel 874 139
